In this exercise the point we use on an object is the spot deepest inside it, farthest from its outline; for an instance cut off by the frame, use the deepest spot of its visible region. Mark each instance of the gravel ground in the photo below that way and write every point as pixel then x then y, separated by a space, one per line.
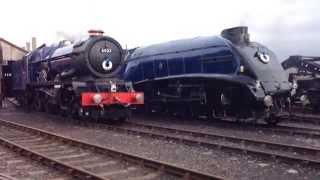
pixel 238 132
pixel 17 166
pixel 302 124
pixel 307 119
pixel 230 165
pixel 223 142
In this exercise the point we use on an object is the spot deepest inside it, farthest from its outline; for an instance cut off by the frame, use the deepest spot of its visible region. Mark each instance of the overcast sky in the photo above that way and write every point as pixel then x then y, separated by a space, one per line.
pixel 285 26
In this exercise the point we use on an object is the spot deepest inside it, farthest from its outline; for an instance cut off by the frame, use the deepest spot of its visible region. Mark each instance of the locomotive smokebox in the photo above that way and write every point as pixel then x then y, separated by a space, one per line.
pixel 97 56
pixel 237 35
pixel 101 55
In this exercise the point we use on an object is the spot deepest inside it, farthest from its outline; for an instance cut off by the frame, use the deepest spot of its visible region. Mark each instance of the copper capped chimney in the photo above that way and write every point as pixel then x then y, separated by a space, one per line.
pixel 93 32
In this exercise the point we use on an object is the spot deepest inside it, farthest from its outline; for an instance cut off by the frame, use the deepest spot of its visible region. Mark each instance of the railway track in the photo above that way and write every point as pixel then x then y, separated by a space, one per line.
pixel 14 166
pixel 285 128
pixel 285 152
pixel 303 109
pixel 301 115
pixel 297 130
pixel 87 161
pixel 281 129
pixel 305 118
pixel 304 115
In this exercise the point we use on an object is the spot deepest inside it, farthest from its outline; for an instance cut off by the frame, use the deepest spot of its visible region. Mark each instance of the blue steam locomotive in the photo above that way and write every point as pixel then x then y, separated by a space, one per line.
pixel 218 77
pixel 79 79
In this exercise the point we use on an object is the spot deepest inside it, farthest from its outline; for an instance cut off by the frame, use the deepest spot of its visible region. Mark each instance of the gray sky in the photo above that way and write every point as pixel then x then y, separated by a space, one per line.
pixel 285 26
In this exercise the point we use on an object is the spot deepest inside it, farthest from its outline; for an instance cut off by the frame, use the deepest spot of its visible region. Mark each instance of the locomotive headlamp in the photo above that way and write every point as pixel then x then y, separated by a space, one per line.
pixel 258 85
pixel 139 98
pixel 268 101
pixel 113 87
pixel 295 85
pixel 97 98
pixel 304 99
pixel 241 68
pixel 224 99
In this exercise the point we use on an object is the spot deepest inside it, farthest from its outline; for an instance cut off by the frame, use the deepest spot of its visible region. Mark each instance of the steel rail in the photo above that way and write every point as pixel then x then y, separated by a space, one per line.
pixel 141 161
pixel 242 141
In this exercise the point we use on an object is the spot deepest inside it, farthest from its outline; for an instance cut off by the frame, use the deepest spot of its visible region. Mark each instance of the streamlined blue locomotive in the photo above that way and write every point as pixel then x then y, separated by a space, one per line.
pixel 219 76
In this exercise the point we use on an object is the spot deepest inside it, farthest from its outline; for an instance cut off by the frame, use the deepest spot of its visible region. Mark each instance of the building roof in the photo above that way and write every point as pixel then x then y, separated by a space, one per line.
pixel 13 45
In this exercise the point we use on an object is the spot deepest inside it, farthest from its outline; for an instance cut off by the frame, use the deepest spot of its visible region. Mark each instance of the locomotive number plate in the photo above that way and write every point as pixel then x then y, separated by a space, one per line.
pixel 105 50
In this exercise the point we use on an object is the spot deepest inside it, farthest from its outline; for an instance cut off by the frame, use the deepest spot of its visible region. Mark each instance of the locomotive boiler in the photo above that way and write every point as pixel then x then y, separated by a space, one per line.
pixel 225 76
pixel 79 79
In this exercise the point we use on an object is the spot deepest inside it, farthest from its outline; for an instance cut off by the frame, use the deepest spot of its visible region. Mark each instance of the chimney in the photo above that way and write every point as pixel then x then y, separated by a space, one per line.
pixel 34 43
pixel 28 46
pixel 95 33
pixel 237 35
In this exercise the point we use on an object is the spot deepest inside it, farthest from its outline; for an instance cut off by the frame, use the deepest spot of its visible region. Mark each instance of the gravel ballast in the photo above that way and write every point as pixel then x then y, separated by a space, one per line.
pixel 230 165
